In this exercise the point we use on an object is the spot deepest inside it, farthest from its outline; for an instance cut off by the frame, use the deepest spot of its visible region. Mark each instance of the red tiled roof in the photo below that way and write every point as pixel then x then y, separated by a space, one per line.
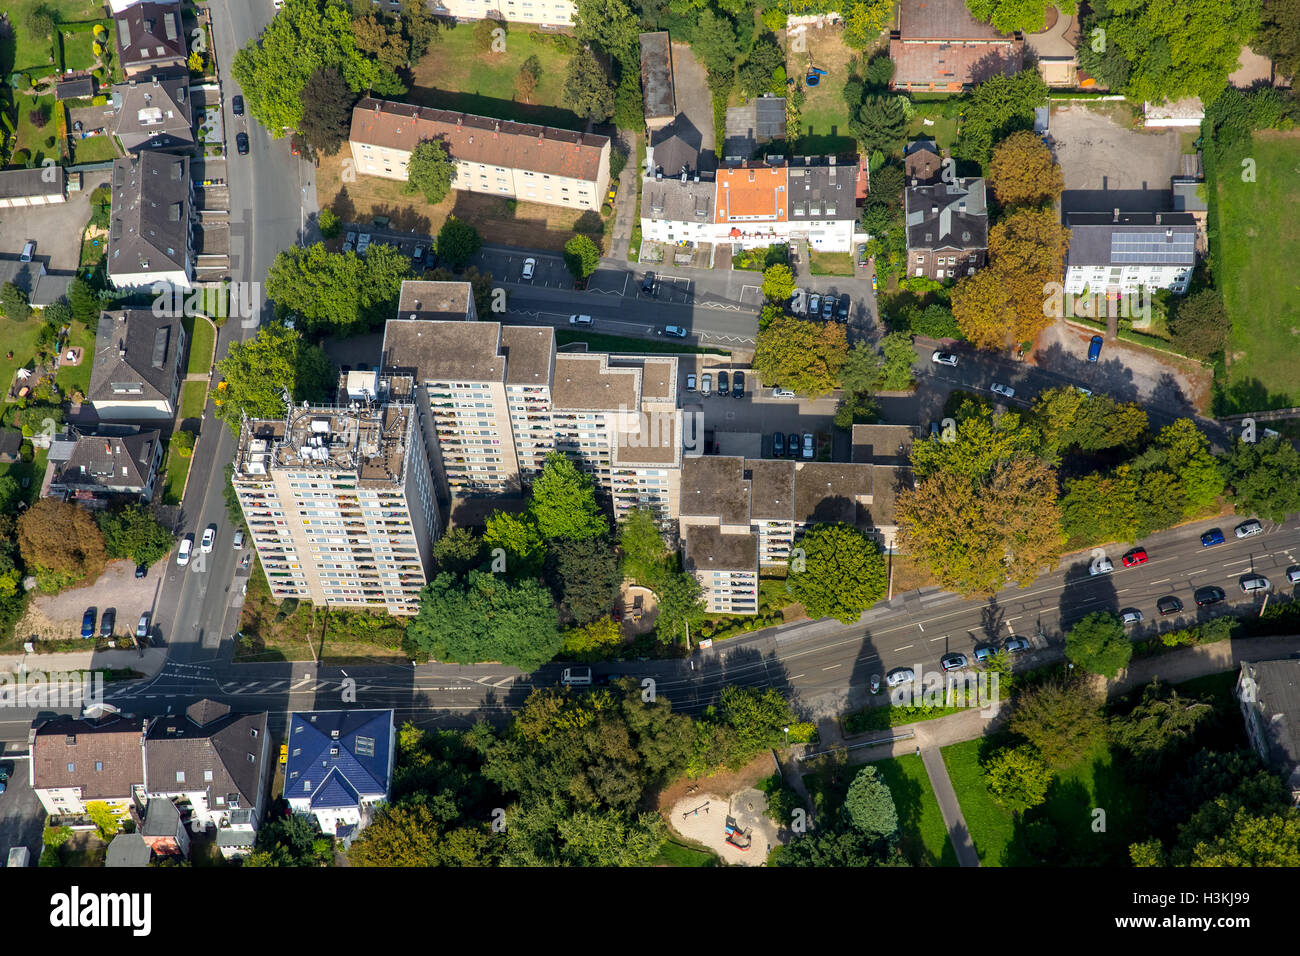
pixel 941 20
pixel 479 139
pixel 952 66
pixel 752 191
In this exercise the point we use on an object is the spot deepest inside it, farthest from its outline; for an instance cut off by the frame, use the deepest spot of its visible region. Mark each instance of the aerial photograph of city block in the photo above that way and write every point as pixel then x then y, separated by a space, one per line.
pixel 650 433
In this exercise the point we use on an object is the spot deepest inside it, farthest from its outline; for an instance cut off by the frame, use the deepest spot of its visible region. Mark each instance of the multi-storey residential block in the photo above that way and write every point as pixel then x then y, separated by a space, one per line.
pixel 547 13
pixel 1123 252
pixel 520 161
pixel 154 113
pixel 78 761
pixel 149 237
pixel 947 228
pixel 139 363
pixel 726 565
pixel 1269 695
pixel 341 500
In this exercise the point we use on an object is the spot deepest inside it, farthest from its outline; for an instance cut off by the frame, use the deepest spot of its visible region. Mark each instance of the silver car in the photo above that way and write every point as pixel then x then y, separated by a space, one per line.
pixel 1006 391
pixel 899 676
pixel 1249 529
pixel 1252 583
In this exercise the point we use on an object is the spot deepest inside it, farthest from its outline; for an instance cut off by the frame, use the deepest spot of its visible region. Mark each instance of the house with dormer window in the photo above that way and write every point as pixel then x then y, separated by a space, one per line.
pixel 149 36
pixel 340 766
pixel 139 365
pixel 150 236
pixel 947 228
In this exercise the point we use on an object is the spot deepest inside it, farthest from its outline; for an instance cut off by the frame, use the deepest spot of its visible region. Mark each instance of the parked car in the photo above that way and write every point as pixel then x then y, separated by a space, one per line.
pixel 241 143
pixel 814 304
pixel 237 105
pixel 1006 391
pixel 778 444
pixel 706 383
pixel 1135 557
pixel 142 628
pixel 1293 575
pixel 530 265
pixel 351 237
pixel 576 677
pixel 209 536
pixel 690 381
pixel 141 570
pixel 674 331
pixel 237 542
pixel 944 358
pixel 724 384
pixel 29 250
pixel 1248 529
pixel 1169 605
pixel 808 449
pixel 347 246
pixel 107 621
pixel 581 320
pixel 1209 595
pixel 1252 583
pixel 1015 645
pixel 779 392
pixel 648 284
pixel 842 307
pixel 828 306
pixel 738 385
pixel 1131 616
pixel 183 555
pixel 417 255
pixel 1094 348
pixel 1102 565
pixel 952 662
pixel 984 652
pixel 792 445
pixel 363 243
pixel 88 623
pixel 1212 537
pixel 899 676
pixel 797 299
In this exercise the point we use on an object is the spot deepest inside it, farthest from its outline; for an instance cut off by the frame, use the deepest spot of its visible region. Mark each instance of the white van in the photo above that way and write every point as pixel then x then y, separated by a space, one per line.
pixel 576 677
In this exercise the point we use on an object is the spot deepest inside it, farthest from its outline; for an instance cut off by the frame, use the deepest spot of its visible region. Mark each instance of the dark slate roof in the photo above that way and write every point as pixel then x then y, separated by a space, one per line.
pixel 947 215
pixel 675 146
pixel 149 229
pixel 66 752
pixel 941 20
pixel 75 88
pixel 161 818
pixel 329 761
pixel 708 549
pixel 137 348
pixel 1131 239
pixel 229 748
pixel 657 76
pixel 922 161
pixel 11 442
pixel 31 182
pixel 236 838
pixel 128 849
pixel 150 33
pixel 821 188
pixel 154 113
pixel 107 463
pixel 1275 713
pixel 1185 197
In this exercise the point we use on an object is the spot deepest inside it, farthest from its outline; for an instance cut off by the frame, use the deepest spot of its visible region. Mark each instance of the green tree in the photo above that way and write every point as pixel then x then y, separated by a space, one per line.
pixel 778 283
pixel 870 806
pixel 1010 16
pixel 397 836
pixel 644 553
pixel 485 32
pixel 458 551
pixel 420 27
pixel 430 171
pixel 85 301
pixel 486 618
pixel 629 113
pixel 1062 719
pixel 581 257
pixel 132 532
pixel 880 123
pixel 836 847
pixel 757 69
pixel 611 839
pixel 1098 644
pixel 1017 777
pixel 326 110
pixel 458 242
pixel 1253 841
pixel 680 606
pixel 519 538
pixel 1263 478
pixel 759 718
pixel 104 819
pixel 563 502
pixel 293 840
pixel 328 223
pixel 610 24
pixel 837 571
pixel 528 77
pixel 800 355
pixel 896 369
pixel 339 293
pixel 595 641
pixel 865 20
pixel 588 91
pixel 1160 731
pixel 997 107
pixel 1278 35
pixel 584 576
pixel 258 371
pixel 61 537
pixel 13 303
pixel 1200 325
pixel 1023 172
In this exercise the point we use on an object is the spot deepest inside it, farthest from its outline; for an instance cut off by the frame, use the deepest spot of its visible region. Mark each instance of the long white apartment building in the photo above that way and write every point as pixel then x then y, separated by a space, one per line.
pixel 1119 253
pixel 547 13
pixel 340 499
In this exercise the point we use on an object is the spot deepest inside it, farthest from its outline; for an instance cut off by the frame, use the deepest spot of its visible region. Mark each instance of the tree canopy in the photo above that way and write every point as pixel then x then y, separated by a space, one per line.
pixel 430 171
pixel 1098 644
pixel 801 355
pixel 870 805
pixel 458 242
pixel 1263 478
pixel 844 572
pixel 63 538
pixel 326 110
pixel 1023 172
pixel 133 532
pixel 258 371
pixel 588 90
pixel 338 293
pixel 563 502
pixel 486 617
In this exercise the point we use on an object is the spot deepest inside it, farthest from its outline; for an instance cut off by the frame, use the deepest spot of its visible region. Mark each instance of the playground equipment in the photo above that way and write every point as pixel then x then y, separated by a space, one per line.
pixel 814 76
pixel 737 837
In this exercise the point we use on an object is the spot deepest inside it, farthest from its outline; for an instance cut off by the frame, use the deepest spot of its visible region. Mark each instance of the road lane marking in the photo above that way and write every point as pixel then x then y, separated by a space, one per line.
pixel 832 667
pixel 796 676
pixel 905 647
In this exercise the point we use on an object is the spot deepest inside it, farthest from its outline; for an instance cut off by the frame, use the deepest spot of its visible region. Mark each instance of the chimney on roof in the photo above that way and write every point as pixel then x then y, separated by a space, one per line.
pixel 1157 219
pixel 1115 215
pixel 460 121
pixel 1169 235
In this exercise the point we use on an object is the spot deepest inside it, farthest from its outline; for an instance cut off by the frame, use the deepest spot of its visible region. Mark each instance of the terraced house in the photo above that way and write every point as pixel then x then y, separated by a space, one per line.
pixel 149 233
pixel 520 161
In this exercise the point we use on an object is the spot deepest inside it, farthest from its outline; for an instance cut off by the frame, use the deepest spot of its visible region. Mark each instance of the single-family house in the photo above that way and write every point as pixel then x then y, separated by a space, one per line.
pixel 150 37
pixel 138 367
pixel 340 766
pixel 77 761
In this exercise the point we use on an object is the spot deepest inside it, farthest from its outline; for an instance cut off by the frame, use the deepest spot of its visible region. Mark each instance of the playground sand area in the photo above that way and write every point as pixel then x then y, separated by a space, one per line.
pixel 702 817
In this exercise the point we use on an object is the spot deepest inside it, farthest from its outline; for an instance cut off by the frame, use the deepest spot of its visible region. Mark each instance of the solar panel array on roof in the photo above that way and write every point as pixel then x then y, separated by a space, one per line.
pixel 1153 248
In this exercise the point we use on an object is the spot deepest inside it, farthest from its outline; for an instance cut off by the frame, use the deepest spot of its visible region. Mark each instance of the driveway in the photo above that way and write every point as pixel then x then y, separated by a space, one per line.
pixel 57 616
pixel 1109 166
pixel 694 121
pixel 57 228
pixel 22 818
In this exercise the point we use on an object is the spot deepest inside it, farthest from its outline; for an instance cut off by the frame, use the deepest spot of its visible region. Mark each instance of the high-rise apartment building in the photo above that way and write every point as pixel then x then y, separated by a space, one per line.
pixel 341 500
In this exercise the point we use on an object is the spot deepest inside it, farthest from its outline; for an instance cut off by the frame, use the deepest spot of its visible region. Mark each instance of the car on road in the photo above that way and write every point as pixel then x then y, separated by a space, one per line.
pixel 241 143
pixel 1293 574
pixel 88 623
pixel 808 449
pixel 842 307
pixel 944 358
pixel 899 676
pixel 1015 645
pixel 1094 348
pixel 1131 616
pixel 142 628
pixel 796 302
pixel 1248 529
pixel 107 621
pixel 1209 595
pixel 183 555
pixel 814 304
pixel 576 677
pixel 1212 537
pixel 724 384
pixel 984 652
pixel 238 541
pixel 141 570
pixel 952 662
pixel 674 331
pixel 581 320
pixel 779 392
pixel 792 445
pixel 417 256
pixel 828 306
pixel 778 444
pixel 648 284
pixel 1006 391
pixel 237 105
pixel 209 536
pixel 1252 583
pixel 738 385
pixel 29 250
pixel 1135 557
pixel 1169 605
pixel 706 383
pixel 530 266
pixel 1102 565
pixel 690 381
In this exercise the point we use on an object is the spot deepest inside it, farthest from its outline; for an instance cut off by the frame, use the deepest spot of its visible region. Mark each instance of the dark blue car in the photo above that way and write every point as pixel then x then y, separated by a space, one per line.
pixel 1212 537
pixel 88 623
pixel 1094 349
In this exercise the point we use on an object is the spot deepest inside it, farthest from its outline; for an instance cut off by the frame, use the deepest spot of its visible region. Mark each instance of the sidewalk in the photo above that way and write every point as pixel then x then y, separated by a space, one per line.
pixel 625 202
pixel 149 664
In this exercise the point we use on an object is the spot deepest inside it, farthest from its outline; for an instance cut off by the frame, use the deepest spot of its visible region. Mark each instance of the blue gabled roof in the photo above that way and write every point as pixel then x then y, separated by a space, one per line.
pixel 332 771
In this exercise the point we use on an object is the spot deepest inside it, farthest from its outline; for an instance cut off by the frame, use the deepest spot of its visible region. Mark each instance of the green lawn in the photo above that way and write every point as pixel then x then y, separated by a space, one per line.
pixel 943 132
pixel 72 378
pixel 93 149
pixel 21 340
pixel 830 263
pixel 203 339
pixel 454 75
pixel 178 469
pixel 923 835
pixel 194 396
pixel 34 470
pixel 1259 237
pixel 597 342
pixel 676 854
pixel 78 54
pixel 30 138
pixel 991 827
pixel 29 51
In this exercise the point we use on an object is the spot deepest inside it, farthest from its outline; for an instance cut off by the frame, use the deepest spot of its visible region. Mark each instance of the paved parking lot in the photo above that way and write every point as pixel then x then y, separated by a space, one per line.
pixel 59 615
pixel 56 228
pixel 1109 166
pixel 22 818
pixel 507 265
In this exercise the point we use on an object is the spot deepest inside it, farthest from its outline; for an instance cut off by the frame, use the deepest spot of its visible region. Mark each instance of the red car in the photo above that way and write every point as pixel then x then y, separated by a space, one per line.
pixel 1135 557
